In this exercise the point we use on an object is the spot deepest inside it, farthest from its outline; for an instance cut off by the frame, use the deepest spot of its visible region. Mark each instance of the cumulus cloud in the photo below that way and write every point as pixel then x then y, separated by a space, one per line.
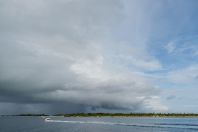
pixel 57 56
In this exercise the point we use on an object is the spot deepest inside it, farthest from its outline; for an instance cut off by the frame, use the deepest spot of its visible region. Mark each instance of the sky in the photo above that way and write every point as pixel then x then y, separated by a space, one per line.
pixel 68 56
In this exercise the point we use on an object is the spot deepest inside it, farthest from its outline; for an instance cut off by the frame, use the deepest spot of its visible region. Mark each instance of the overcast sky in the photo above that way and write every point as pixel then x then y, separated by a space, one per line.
pixel 66 56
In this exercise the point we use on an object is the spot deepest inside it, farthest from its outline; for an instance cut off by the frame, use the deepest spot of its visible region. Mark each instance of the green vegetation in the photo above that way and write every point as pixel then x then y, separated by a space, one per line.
pixel 116 115
pixel 131 115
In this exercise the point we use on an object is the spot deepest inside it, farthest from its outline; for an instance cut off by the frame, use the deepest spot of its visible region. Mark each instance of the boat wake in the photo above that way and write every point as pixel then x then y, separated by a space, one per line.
pixel 159 125
pixel 93 122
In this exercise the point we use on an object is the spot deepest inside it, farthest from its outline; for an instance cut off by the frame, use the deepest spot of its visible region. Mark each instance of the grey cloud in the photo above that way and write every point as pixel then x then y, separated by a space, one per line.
pixel 51 59
pixel 170 97
pixel 47 108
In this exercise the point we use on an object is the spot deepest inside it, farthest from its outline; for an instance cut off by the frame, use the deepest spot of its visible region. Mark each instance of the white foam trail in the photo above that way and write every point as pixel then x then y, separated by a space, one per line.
pixel 122 124
pixel 96 122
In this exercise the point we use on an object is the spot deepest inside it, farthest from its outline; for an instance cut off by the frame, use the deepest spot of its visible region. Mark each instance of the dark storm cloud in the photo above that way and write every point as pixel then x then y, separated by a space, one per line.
pixel 51 59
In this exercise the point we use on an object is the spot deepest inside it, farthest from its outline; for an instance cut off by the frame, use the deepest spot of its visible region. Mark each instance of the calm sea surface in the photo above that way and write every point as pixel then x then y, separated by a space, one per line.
pixel 106 124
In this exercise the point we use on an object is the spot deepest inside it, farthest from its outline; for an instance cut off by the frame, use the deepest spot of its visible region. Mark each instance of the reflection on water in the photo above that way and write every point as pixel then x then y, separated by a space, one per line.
pixel 106 124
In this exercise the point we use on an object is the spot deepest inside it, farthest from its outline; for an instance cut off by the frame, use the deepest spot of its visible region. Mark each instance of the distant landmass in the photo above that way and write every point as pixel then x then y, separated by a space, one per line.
pixel 116 115
pixel 132 115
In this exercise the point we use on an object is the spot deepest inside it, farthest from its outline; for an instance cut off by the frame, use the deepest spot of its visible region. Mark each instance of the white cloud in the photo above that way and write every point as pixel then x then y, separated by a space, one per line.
pixel 92 69
pixel 170 47
pixel 186 75
pixel 183 46
pixel 154 104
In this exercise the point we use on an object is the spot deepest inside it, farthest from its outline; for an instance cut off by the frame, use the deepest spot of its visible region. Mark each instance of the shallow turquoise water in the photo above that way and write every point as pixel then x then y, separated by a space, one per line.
pixel 106 124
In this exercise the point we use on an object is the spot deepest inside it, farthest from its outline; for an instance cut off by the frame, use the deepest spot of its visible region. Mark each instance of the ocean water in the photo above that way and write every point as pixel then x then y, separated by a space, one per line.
pixel 92 124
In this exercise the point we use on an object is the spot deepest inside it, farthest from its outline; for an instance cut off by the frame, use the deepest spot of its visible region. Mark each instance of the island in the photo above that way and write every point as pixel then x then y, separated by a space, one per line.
pixel 129 115
pixel 154 115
